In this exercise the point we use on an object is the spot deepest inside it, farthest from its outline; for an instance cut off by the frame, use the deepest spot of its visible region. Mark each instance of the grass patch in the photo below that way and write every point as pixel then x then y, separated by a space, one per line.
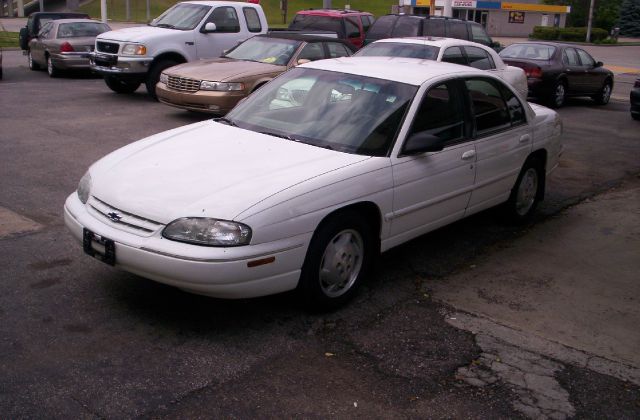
pixel 9 39
pixel 116 8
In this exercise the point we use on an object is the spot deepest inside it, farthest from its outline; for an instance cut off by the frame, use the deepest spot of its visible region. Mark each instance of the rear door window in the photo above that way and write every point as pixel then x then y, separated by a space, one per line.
pixel 457 30
pixel 337 49
pixel 570 57
pixel 454 55
pixel 366 22
pixel 407 26
pixel 479 58
pixel 382 27
pixel 433 27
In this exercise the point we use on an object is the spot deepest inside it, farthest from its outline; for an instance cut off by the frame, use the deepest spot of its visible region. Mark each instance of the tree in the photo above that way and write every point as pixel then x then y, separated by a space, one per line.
pixel 605 13
pixel 630 18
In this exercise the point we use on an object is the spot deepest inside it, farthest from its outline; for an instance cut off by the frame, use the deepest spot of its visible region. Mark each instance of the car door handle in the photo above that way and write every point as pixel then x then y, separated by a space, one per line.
pixel 469 154
pixel 525 138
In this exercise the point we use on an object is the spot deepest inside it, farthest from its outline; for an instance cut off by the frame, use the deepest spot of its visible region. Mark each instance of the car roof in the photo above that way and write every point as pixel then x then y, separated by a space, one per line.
pixel 218 3
pixel 59 21
pixel 412 71
pixel 301 37
pixel 431 40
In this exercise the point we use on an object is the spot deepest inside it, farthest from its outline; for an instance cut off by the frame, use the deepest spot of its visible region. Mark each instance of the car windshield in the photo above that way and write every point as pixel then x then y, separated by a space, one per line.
pixel 338 111
pixel 399 49
pixel 80 29
pixel 528 51
pixel 265 50
pixel 320 23
pixel 183 16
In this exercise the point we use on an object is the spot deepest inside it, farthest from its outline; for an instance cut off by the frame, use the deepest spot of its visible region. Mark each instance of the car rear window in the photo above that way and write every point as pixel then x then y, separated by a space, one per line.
pixel 320 23
pixel 529 51
pixel 399 49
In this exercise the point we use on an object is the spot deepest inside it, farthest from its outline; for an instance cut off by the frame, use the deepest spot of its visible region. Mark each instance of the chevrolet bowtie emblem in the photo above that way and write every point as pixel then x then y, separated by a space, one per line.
pixel 114 216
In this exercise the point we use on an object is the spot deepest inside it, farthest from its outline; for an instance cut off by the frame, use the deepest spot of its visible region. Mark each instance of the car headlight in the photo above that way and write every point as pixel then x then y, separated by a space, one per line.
pixel 208 232
pixel 84 188
pixel 164 78
pixel 221 86
pixel 134 49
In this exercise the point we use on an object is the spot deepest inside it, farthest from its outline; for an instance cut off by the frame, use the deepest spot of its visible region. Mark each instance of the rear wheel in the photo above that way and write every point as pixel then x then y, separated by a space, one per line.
pixel 337 260
pixel 602 98
pixel 51 69
pixel 121 86
pixel 32 64
pixel 527 192
pixel 153 77
pixel 558 94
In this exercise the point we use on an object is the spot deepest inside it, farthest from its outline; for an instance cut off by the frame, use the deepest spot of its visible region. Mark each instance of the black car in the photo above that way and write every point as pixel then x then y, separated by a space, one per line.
pixel 399 25
pixel 38 19
pixel 556 71
pixel 634 98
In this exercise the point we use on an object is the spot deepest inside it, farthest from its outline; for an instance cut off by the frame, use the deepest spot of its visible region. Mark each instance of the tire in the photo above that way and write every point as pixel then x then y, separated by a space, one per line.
pixel 337 261
pixel 558 94
pixel 51 69
pixel 527 192
pixel 153 77
pixel 602 98
pixel 121 86
pixel 32 64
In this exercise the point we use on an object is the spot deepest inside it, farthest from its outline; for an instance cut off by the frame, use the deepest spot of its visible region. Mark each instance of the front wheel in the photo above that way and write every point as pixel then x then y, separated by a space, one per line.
pixel 602 98
pixel 337 260
pixel 153 77
pixel 121 86
pixel 527 192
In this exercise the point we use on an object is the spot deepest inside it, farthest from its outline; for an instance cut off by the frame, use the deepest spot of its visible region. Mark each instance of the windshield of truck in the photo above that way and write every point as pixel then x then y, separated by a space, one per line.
pixel 266 50
pixel 399 49
pixel 333 110
pixel 183 16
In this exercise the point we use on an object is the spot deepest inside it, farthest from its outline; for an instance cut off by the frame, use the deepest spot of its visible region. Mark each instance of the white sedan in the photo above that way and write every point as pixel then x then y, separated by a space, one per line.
pixel 449 50
pixel 308 179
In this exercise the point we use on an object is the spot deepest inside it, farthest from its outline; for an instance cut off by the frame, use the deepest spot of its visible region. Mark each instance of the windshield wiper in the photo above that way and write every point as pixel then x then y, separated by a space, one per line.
pixel 165 25
pixel 225 121
pixel 282 136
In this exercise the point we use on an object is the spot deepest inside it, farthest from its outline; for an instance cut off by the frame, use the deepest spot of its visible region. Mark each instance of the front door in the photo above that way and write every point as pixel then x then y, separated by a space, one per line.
pixel 432 189
pixel 225 36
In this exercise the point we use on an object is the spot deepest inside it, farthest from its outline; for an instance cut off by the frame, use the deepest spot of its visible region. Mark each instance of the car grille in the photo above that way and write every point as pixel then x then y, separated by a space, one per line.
pixel 108 47
pixel 183 84
pixel 123 220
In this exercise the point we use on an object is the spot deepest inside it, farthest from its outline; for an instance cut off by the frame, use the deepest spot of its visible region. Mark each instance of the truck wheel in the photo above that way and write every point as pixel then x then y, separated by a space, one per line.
pixel 121 86
pixel 153 77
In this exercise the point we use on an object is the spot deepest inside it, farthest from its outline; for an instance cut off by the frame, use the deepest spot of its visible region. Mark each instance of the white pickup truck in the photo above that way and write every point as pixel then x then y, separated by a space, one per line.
pixel 188 31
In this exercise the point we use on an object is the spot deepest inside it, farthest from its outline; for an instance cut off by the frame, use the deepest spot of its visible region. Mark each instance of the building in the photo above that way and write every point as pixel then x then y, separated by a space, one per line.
pixel 500 18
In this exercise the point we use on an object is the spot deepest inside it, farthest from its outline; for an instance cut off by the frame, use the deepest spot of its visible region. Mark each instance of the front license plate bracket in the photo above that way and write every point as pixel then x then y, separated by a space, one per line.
pixel 89 239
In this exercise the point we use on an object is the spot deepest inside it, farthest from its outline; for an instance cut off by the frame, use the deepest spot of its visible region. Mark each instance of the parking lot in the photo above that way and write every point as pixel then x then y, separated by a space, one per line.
pixel 479 320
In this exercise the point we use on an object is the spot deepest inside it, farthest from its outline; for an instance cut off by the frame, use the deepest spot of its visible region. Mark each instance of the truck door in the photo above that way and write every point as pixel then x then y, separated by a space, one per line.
pixel 227 32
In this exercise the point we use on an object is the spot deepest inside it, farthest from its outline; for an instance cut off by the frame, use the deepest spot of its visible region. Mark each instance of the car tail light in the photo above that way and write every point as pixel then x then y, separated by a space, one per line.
pixel 533 71
pixel 66 47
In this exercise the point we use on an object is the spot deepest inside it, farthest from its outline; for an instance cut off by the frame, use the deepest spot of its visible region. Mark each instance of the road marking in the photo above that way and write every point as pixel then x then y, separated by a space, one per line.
pixel 13 224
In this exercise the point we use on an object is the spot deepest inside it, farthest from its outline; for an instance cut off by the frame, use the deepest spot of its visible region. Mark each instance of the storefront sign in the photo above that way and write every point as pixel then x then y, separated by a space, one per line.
pixel 463 4
pixel 516 17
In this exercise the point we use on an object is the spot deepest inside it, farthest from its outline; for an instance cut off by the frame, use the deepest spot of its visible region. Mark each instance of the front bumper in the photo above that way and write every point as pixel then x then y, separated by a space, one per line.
pixel 111 64
pixel 213 271
pixel 201 101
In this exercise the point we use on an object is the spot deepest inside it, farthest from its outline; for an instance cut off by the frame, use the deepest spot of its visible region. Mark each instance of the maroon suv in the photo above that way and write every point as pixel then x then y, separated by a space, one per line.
pixel 350 25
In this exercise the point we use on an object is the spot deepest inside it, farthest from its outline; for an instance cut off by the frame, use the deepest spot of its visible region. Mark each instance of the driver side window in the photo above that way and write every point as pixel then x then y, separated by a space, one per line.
pixel 440 114
pixel 226 19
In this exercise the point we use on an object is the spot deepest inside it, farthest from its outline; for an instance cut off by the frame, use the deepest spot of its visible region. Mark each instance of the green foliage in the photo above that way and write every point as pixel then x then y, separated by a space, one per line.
pixel 9 39
pixel 116 8
pixel 630 18
pixel 568 34
pixel 605 13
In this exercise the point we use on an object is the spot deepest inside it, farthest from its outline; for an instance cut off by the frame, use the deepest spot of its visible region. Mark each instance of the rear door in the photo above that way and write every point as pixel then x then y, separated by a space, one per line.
pixel 575 73
pixel 503 140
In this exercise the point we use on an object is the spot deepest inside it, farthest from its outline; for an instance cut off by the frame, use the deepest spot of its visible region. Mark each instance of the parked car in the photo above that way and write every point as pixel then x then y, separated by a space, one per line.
pixel 556 71
pixel 217 85
pixel 350 25
pixel 37 20
pixel 400 26
pixel 450 50
pixel 634 99
pixel 188 31
pixel 64 44
pixel 375 152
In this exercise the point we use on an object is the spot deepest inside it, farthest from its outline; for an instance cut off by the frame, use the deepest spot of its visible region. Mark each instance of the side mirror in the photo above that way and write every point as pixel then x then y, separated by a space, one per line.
pixel 598 64
pixel 210 27
pixel 302 61
pixel 422 142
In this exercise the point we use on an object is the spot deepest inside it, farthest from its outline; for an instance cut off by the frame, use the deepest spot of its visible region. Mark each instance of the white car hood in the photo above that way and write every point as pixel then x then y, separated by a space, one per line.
pixel 207 170
pixel 137 34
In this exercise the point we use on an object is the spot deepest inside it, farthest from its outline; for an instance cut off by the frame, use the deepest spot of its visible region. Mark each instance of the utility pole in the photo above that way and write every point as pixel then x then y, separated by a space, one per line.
pixel 103 11
pixel 326 4
pixel 590 21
